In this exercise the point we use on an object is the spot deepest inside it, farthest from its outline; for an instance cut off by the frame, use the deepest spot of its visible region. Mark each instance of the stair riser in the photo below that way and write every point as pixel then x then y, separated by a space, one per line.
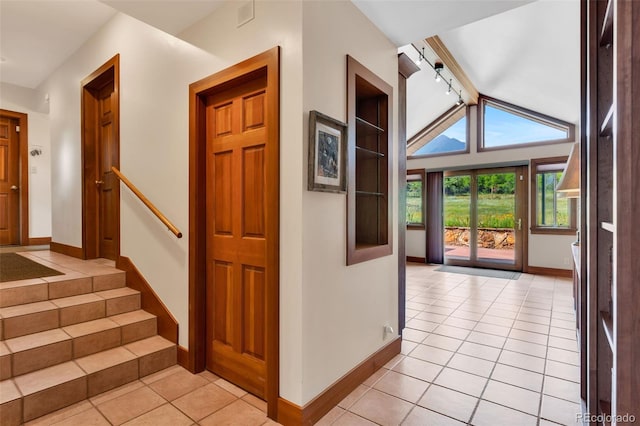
pixel 41 357
pixel 58 289
pixel 30 323
pixel 11 413
pixel 157 361
pixel 54 398
pixel 47 320
pixel 109 281
pixel 23 294
pixel 26 361
pixel 112 377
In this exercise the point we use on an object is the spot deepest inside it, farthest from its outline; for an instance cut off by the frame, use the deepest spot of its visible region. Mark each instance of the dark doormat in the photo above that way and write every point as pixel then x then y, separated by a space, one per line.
pixel 492 273
pixel 14 267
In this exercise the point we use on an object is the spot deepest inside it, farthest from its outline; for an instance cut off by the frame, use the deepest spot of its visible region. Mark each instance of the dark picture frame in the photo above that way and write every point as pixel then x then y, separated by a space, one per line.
pixel 327 154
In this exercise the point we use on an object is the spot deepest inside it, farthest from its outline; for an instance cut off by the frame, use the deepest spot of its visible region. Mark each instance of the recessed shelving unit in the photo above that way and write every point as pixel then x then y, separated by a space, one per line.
pixel 369 202
pixel 610 367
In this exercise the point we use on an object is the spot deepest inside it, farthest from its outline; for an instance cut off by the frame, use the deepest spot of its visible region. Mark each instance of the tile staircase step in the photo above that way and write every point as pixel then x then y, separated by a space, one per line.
pixel 24 354
pixel 26 397
pixel 50 389
pixel 21 292
pixel 69 337
pixel 136 325
pixel 31 318
pixel 39 350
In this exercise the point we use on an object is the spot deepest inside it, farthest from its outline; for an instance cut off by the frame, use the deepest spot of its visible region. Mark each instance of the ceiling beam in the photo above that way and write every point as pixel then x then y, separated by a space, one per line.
pixel 454 67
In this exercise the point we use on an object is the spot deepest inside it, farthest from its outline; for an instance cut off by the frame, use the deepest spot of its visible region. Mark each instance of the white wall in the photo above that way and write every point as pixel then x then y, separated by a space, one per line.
pixel 331 316
pixel 276 23
pixel 548 251
pixel 155 71
pixel 344 308
pixel 31 102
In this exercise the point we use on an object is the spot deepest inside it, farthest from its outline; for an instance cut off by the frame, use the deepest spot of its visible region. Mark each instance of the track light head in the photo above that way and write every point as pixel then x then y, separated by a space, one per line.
pixel 438 67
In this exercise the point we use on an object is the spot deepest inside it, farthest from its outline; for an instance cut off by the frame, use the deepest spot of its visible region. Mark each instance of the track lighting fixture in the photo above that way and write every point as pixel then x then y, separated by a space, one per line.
pixel 438 68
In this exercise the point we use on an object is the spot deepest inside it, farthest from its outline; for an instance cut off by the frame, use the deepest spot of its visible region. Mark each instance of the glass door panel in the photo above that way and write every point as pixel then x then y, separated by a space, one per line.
pixel 457 217
pixel 496 217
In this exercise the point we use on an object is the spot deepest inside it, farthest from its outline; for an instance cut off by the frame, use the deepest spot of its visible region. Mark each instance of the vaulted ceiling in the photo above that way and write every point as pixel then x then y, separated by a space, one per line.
pixel 523 51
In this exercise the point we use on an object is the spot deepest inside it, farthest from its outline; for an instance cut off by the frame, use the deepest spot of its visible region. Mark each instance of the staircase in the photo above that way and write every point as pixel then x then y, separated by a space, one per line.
pixel 67 338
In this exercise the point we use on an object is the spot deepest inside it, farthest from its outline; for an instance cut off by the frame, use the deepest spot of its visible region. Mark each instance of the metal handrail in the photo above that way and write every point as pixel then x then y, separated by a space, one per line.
pixel 147 203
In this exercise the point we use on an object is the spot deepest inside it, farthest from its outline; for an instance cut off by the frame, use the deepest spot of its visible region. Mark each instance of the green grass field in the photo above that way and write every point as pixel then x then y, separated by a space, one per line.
pixel 494 210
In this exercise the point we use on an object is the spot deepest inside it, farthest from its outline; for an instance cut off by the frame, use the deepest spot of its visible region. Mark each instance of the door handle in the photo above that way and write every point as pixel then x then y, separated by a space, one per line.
pixel 99 182
pixel 519 224
pixel 14 188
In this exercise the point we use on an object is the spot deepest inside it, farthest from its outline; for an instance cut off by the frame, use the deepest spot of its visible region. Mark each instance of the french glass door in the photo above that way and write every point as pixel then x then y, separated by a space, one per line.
pixel 484 215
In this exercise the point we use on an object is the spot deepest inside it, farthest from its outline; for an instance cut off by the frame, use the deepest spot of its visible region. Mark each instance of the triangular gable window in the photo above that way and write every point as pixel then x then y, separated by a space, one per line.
pixel 446 135
pixel 505 125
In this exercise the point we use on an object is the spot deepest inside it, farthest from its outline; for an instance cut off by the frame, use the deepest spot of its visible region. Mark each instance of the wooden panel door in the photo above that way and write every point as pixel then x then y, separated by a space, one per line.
pixel 9 183
pixel 237 243
pixel 107 182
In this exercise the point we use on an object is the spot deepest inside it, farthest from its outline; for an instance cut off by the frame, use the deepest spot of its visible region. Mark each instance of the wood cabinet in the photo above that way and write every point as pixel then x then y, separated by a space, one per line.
pixel 611 159
pixel 369 195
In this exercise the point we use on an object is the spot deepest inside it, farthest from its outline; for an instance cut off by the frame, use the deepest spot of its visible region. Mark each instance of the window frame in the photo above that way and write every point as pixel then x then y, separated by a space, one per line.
pixel 422 178
pixel 573 210
pixel 434 126
pixel 524 113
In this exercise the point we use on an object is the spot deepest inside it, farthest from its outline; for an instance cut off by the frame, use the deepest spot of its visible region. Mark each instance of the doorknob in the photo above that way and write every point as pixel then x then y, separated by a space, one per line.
pixel 14 188
pixel 99 182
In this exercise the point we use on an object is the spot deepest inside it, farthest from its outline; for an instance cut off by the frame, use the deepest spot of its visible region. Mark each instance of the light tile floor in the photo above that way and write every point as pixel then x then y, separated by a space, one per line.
pixel 476 350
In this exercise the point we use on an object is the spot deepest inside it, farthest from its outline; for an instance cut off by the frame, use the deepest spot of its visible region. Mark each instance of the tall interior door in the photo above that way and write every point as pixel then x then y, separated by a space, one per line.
pixel 101 199
pixel 485 217
pixel 237 192
pixel 107 182
pixel 9 182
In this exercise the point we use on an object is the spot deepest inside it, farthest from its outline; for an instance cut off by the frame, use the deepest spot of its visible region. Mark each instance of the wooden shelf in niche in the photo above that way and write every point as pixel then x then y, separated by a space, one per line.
pixel 369 214
pixel 367 125
pixel 606 35
pixel 360 149
pixel 608 226
pixel 606 129
pixel 607 327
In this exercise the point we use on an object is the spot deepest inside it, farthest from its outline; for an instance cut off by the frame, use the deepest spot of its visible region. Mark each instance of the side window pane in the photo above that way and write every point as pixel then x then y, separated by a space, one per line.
pixel 453 139
pixel 502 128
pixel 415 198
pixel 553 211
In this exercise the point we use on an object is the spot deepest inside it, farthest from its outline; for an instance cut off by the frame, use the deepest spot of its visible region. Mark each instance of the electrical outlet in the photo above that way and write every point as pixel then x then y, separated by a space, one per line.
pixel 387 330
pixel 34 170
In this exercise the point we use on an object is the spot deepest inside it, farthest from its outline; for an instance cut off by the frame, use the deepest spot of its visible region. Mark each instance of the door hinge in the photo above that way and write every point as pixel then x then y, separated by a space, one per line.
pixel 17 129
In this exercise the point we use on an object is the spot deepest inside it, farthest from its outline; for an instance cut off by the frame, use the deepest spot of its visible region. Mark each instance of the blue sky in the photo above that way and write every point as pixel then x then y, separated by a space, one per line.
pixel 458 130
pixel 504 128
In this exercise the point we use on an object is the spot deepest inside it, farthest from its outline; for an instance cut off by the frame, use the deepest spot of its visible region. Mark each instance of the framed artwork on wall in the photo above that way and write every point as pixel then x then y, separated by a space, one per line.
pixel 327 153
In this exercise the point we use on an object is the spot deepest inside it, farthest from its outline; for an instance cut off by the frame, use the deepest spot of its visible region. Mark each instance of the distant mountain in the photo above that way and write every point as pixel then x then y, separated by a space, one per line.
pixel 442 143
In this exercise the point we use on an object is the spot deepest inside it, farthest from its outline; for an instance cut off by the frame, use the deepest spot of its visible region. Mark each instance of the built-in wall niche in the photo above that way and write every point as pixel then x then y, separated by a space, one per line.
pixel 369 201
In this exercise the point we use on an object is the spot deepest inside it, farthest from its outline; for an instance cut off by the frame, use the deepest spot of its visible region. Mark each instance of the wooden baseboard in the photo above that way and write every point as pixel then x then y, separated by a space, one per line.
pixel 539 270
pixel 39 241
pixel 290 414
pixel 416 259
pixel 167 324
pixel 183 357
pixel 72 251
